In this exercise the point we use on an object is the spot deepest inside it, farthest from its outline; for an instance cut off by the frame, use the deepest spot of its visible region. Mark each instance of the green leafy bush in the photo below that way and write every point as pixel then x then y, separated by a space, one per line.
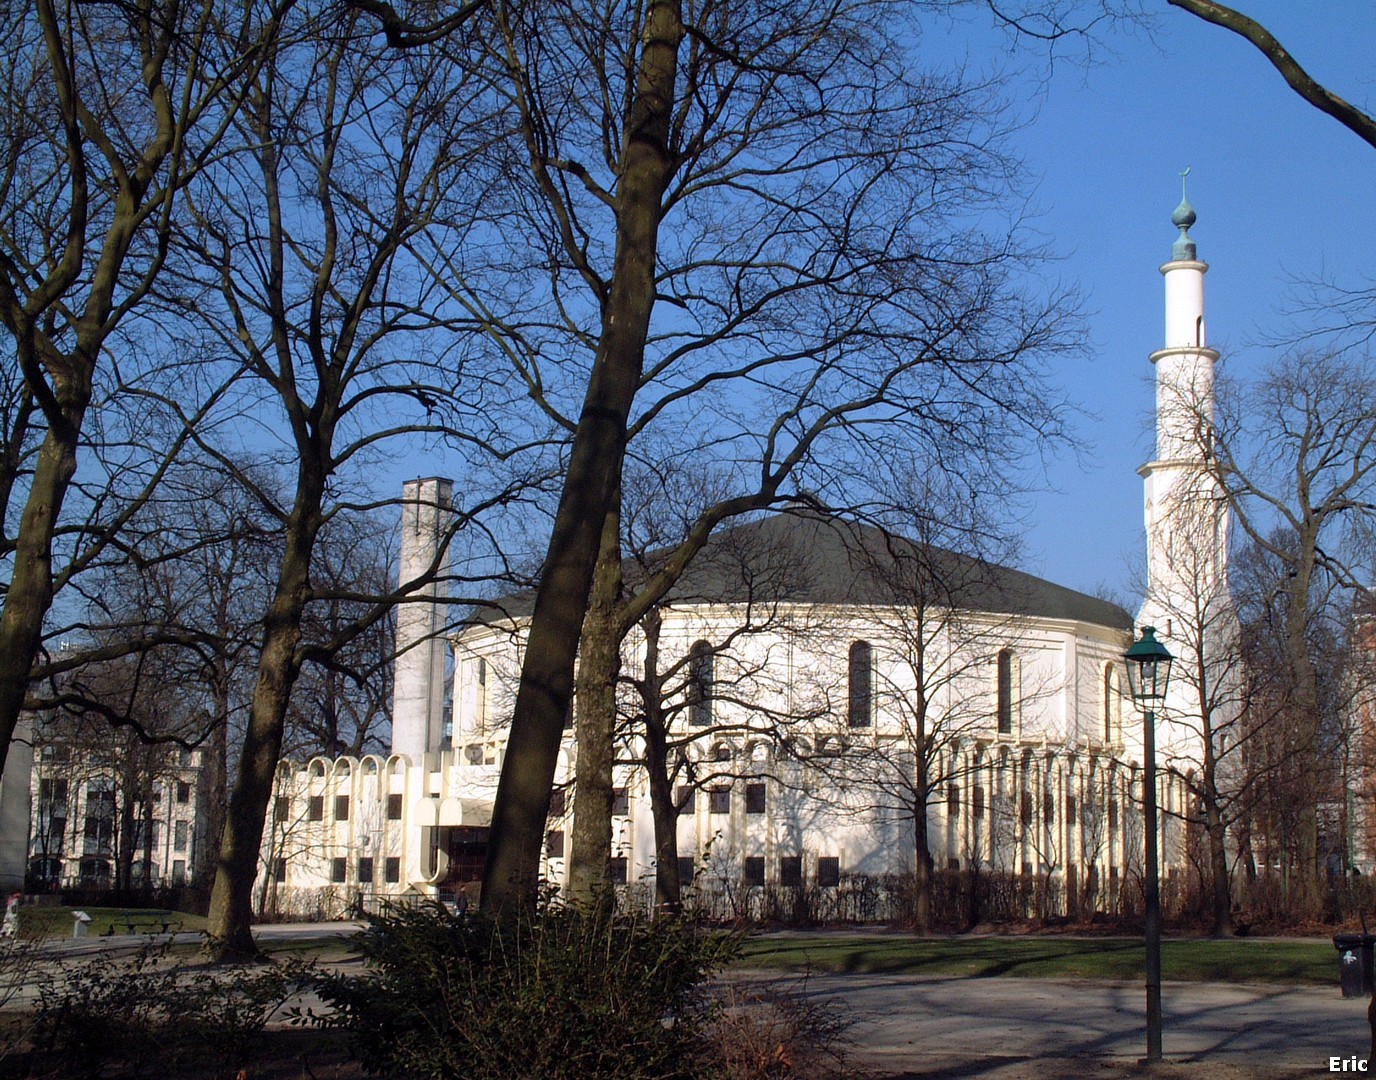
pixel 560 992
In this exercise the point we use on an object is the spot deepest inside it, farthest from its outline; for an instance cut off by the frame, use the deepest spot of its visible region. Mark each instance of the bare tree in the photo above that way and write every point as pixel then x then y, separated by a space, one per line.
pixel 1296 455
pixel 1356 120
pixel 359 166
pixel 820 270
pixel 954 619
pixel 109 113
pixel 709 706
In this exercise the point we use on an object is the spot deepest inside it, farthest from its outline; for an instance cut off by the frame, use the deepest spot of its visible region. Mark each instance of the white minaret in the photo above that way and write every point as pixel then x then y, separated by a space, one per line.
pixel 1187 597
pixel 418 684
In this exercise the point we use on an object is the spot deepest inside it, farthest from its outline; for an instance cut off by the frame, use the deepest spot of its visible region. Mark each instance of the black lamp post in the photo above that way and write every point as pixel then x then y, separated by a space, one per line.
pixel 1149 670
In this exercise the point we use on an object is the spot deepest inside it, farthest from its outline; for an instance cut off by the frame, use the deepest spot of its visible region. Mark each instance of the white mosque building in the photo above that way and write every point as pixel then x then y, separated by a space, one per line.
pixel 795 738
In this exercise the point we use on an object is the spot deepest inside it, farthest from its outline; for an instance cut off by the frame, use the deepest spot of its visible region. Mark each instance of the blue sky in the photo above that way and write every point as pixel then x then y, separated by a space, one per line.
pixel 1282 192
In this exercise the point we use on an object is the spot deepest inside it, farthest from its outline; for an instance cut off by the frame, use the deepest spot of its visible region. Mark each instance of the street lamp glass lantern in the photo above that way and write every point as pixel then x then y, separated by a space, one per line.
pixel 1149 667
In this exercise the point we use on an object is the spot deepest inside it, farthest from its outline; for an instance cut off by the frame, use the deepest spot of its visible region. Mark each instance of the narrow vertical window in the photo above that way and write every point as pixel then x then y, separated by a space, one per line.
pixel 860 695
pixel 482 693
pixel 1112 703
pixel 700 684
pixel 1005 692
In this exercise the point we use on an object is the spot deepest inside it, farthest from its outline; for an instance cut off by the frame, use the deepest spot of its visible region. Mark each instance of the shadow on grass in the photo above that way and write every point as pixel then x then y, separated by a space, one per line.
pixel 1303 962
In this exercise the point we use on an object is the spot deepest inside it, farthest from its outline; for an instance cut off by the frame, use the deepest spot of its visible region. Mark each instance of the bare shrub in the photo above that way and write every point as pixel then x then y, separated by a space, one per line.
pixel 776 1032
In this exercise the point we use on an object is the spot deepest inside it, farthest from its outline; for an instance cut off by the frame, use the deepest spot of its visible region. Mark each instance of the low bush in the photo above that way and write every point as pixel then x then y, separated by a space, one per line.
pixel 559 992
pixel 776 1032
pixel 145 1014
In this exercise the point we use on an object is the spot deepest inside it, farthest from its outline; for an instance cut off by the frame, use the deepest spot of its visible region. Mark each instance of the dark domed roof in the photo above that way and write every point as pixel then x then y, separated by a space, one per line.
pixel 809 558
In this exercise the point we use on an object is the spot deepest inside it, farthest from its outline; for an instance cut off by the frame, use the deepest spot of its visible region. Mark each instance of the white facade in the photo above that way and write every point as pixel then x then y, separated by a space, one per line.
pixel 792 785
pixel 88 811
pixel 798 739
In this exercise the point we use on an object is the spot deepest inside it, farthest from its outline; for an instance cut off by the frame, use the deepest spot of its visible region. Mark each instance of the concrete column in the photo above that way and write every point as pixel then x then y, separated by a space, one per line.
pixel 418 691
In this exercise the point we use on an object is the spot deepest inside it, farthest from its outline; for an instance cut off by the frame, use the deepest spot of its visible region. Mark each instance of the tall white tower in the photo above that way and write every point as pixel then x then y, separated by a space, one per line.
pixel 418 682
pixel 1187 597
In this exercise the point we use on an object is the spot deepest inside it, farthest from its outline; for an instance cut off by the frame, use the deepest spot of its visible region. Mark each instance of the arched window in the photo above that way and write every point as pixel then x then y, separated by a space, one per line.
pixel 700 659
pixel 1113 703
pixel 1005 692
pixel 860 691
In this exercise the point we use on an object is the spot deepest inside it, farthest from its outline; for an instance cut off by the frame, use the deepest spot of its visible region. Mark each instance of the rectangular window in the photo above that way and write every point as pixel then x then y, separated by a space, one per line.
pixel 179 836
pixel 365 870
pixel 685 798
pixel 341 808
pixel 392 869
pixel 829 872
pixel 281 808
pixel 860 688
pixel 339 869
pixel 685 871
pixel 279 870
pixel 393 807
pixel 1113 813
pixel 953 800
pixel 719 800
pixel 953 864
pixel 754 870
pixel 791 870
pixel 616 870
pixel 621 804
pixel 1049 808
pixel 554 843
pixel 1070 808
pixel 754 798
pixel 178 872
pixel 700 677
pixel 557 802
pixel 1005 692
pixel 1026 808
pixel 977 802
pixel 316 808
pixel 183 791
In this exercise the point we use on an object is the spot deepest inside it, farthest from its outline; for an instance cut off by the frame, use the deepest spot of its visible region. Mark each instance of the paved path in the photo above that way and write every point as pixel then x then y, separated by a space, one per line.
pixel 948 1026
pixel 265 932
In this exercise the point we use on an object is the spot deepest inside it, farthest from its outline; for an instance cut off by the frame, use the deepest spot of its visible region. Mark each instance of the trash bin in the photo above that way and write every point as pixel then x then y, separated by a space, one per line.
pixel 1354 963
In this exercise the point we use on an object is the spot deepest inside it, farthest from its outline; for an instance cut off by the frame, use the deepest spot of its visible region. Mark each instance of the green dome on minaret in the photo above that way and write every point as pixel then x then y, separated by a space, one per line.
pixel 1183 250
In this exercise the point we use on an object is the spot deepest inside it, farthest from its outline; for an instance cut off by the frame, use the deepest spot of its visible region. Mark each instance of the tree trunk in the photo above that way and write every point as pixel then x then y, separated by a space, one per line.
pixel 599 664
pixel 922 848
pixel 124 851
pixel 1221 894
pixel 30 591
pixel 1220 886
pixel 1304 712
pixel 668 886
pixel 922 869
pixel 147 853
pixel 229 923
pixel 511 875
pixel 212 793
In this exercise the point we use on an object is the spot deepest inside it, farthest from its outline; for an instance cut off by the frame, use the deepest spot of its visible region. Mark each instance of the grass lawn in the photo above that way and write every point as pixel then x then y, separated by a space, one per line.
pixel 56 922
pixel 1233 960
